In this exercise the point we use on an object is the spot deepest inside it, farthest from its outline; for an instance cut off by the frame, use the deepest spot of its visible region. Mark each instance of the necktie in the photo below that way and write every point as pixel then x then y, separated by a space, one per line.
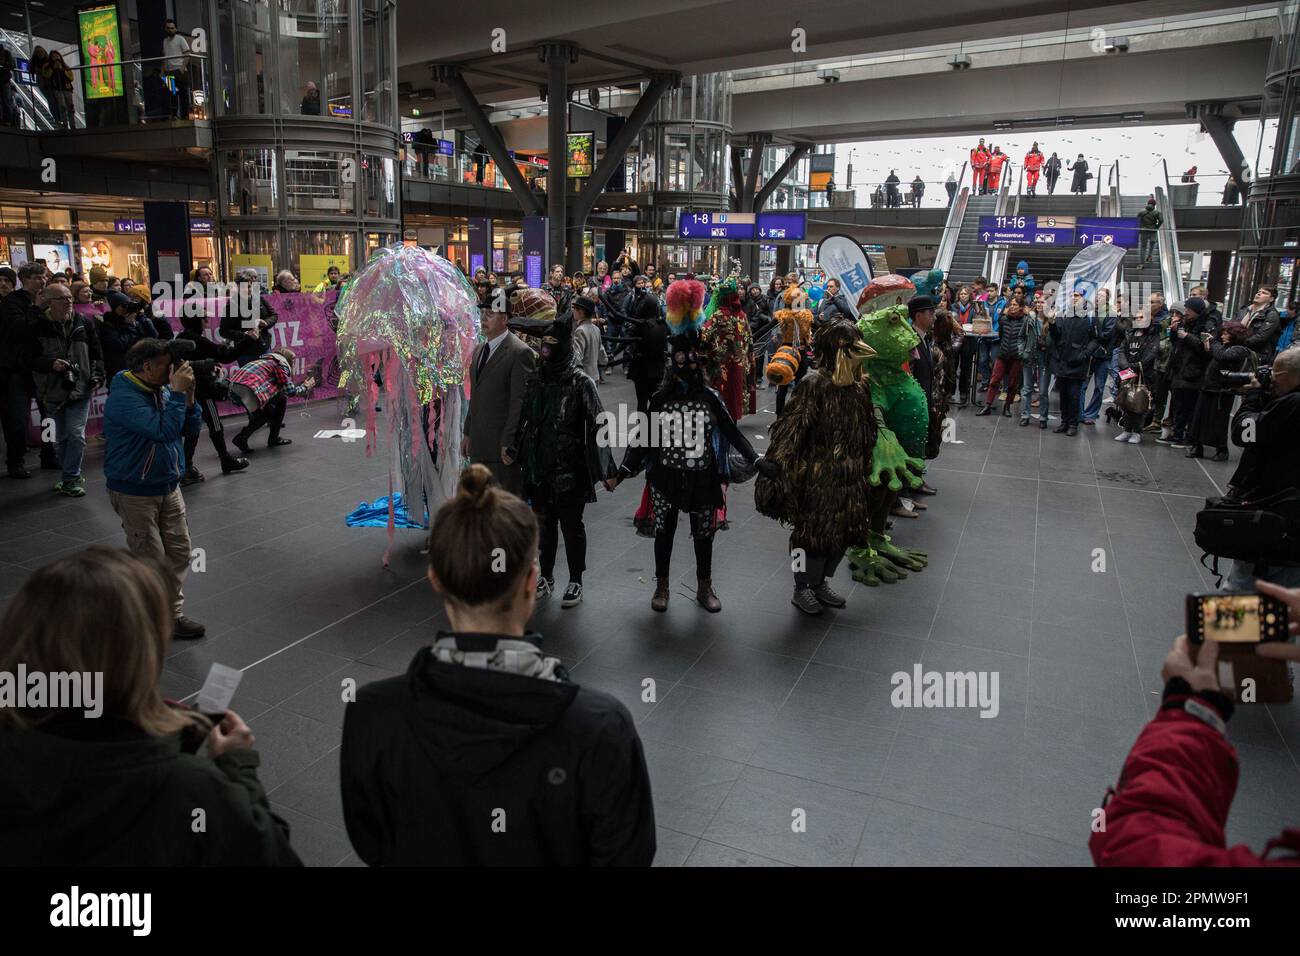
pixel 483 359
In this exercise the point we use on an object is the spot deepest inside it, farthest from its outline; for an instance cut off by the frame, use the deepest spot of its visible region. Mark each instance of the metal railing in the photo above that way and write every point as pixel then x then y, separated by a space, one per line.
pixel 995 259
pixel 1171 262
pixel 952 226
pixel 149 92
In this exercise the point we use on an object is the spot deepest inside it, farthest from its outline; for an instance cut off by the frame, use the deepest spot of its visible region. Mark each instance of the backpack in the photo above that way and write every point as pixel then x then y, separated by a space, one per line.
pixel 1266 530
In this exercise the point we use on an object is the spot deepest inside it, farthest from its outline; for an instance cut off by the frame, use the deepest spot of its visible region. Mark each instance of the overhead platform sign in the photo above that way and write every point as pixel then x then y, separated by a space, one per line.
pixel 765 226
pixel 1119 232
pixel 1027 230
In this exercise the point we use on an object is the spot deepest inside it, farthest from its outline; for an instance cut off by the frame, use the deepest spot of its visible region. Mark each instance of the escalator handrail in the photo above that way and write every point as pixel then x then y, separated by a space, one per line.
pixel 952 226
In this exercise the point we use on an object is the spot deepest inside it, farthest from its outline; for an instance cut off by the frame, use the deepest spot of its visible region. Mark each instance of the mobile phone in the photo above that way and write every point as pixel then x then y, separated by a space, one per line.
pixel 1236 617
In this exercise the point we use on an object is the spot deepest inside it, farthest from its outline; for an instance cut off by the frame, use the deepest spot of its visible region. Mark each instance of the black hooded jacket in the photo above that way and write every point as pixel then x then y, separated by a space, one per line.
pixel 1189 358
pixel 205 385
pixel 458 766
pixel 556 441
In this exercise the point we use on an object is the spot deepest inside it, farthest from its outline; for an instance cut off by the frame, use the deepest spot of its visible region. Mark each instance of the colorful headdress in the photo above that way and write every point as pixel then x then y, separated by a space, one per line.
pixel 928 282
pixel 725 293
pixel 684 302
pixel 884 291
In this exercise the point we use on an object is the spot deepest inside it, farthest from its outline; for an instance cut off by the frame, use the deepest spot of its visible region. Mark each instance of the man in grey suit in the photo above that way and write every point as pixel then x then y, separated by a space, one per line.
pixel 500 366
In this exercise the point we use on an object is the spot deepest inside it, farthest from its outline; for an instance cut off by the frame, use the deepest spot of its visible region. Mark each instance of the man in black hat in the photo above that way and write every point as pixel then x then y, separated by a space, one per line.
pixel 1191 336
pixel 920 309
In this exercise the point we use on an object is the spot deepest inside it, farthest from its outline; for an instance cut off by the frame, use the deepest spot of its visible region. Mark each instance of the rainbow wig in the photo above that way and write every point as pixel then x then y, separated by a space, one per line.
pixel 684 301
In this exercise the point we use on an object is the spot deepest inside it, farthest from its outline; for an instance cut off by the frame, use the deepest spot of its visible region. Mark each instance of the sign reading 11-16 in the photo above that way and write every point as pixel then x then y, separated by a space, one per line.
pixel 1027 230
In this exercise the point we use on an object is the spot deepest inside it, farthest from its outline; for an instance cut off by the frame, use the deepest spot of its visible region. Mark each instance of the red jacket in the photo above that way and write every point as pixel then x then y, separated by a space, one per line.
pixel 1173 799
pixel 996 162
pixel 1033 162
pixel 979 157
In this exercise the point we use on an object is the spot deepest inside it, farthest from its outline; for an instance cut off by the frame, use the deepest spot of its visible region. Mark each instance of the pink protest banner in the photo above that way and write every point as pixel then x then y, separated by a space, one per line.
pixel 305 324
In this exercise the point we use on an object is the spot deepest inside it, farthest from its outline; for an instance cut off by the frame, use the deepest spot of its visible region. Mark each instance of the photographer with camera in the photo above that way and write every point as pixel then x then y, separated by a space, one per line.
pixel 126 322
pixel 210 387
pixel 1266 427
pixel 150 409
pixel 64 357
pixel 1171 805
pixel 1229 361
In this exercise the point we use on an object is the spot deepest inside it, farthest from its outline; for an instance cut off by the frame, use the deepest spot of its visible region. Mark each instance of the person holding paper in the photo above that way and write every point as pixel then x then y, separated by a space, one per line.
pixel 115 779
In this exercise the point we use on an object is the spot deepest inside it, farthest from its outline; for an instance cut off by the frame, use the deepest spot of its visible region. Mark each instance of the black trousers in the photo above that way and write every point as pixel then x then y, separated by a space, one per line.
pixel 14 403
pixel 1159 397
pixel 1071 400
pixel 272 413
pixel 1182 408
pixel 817 568
pixel 208 408
pixel 645 386
pixel 565 518
pixel 701 535
pixel 966 357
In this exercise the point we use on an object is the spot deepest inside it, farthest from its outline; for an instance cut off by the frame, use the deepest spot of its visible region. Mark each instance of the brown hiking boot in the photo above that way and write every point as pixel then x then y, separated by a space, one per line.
pixel 706 598
pixel 660 601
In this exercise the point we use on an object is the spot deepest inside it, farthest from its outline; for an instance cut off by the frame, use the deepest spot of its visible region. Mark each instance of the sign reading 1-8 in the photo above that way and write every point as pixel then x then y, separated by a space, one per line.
pixel 1010 222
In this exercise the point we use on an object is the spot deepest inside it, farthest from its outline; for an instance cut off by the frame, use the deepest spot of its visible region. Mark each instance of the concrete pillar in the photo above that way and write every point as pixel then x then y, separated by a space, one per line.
pixel 557 57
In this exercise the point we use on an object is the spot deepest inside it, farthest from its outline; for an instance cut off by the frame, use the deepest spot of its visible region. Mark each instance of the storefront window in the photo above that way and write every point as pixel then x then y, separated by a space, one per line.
pixel 378 240
pixel 245 46
pixel 303 242
pixel 319 181
pixel 315 47
pixel 253 248
pixel 50 218
pixel 249 180
pixel 380 181
pixel 376 61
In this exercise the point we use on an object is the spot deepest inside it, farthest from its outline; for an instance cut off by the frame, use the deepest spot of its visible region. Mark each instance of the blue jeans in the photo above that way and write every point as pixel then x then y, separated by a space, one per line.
pixel 70 436
pixel 1035 370
pixel 987 353
pixel 1242 576
pixel 1100 373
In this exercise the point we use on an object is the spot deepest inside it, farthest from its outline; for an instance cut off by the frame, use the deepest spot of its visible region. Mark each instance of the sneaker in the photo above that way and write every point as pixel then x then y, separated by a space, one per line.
pixel 825 594
pixel 805 599
pixel 58 487
pixel 545 586
pixel 187 630
pixel 74 488
pixel 572 595
pixel 1153 427
pixel 1123 436
pixel 277 441
pixel 233 464
pixel 1164 439
pixel 1135 439
pixel 1024 422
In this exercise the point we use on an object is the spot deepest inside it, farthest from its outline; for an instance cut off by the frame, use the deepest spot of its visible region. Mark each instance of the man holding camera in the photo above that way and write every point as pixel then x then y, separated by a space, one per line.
pixel 63 355
pixel 1266 427
pixel 149 410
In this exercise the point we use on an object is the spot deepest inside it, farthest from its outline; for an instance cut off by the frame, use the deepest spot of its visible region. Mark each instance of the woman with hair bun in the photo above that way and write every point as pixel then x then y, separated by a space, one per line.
pixel 484 752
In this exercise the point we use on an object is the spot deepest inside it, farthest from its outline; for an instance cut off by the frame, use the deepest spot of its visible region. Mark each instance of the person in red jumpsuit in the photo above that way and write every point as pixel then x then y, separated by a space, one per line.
pixel 1033 165
pixel 979 165
pixel 997 159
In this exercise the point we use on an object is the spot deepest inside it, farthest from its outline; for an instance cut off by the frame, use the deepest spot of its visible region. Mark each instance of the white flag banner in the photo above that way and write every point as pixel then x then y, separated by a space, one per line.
pixel 842 257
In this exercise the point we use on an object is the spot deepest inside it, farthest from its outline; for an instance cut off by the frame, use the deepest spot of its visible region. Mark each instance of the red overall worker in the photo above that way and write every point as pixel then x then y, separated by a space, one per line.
pixel 979 164
pixel 1033 164
pixel 997 160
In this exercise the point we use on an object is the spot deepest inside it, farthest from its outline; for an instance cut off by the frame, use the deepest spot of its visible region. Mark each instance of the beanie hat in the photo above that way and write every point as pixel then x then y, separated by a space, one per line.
pixel 98 274
pixel 1197 305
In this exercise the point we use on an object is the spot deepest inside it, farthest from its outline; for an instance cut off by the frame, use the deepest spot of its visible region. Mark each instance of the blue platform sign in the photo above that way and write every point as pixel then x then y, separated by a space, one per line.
pixel 782 225
pixel 1027 230
pixel 716 225
pixel 1120 232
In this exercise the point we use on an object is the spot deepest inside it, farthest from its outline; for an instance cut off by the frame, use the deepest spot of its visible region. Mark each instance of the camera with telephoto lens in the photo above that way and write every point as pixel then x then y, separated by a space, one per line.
pixel 71 375
pixel 1263 375
pixel 182 349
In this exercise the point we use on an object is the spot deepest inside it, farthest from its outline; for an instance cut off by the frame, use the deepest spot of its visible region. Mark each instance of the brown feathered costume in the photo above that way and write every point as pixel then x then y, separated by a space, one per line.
pixel 823 443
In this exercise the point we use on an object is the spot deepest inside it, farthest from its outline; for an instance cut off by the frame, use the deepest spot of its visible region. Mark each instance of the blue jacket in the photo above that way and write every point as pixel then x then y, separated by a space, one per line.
pixel 144 451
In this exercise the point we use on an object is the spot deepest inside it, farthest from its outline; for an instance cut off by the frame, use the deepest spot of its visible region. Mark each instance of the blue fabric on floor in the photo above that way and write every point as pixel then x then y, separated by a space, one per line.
pixel 375 515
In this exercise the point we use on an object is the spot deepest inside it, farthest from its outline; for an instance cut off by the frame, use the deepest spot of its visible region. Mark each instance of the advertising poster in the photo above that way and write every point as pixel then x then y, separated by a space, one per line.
pixel 101 46
pixel 58 256
pixel 314 268
pixel 580 154
pixel 250 260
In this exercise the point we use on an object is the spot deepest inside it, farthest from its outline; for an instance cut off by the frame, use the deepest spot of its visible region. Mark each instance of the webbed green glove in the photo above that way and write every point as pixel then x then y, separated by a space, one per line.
pixel 889 460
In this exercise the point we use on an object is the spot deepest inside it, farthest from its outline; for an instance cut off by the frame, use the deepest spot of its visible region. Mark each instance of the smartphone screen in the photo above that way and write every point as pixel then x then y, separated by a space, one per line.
pixel 1241 618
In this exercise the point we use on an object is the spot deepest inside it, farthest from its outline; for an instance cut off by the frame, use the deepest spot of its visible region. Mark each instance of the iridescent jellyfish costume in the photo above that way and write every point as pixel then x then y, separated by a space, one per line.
pixel 413 316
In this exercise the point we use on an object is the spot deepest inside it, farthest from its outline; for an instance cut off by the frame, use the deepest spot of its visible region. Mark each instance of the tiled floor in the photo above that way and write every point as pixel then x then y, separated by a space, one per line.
pixel 761 718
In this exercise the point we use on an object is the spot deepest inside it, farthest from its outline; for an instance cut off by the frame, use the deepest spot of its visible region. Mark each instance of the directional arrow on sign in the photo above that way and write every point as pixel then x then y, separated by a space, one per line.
pixel 762 233
pixel 986 237
pixel 1085 239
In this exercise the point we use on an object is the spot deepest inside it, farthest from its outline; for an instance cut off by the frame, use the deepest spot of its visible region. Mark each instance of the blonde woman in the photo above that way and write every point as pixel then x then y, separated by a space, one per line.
pixel 116 777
